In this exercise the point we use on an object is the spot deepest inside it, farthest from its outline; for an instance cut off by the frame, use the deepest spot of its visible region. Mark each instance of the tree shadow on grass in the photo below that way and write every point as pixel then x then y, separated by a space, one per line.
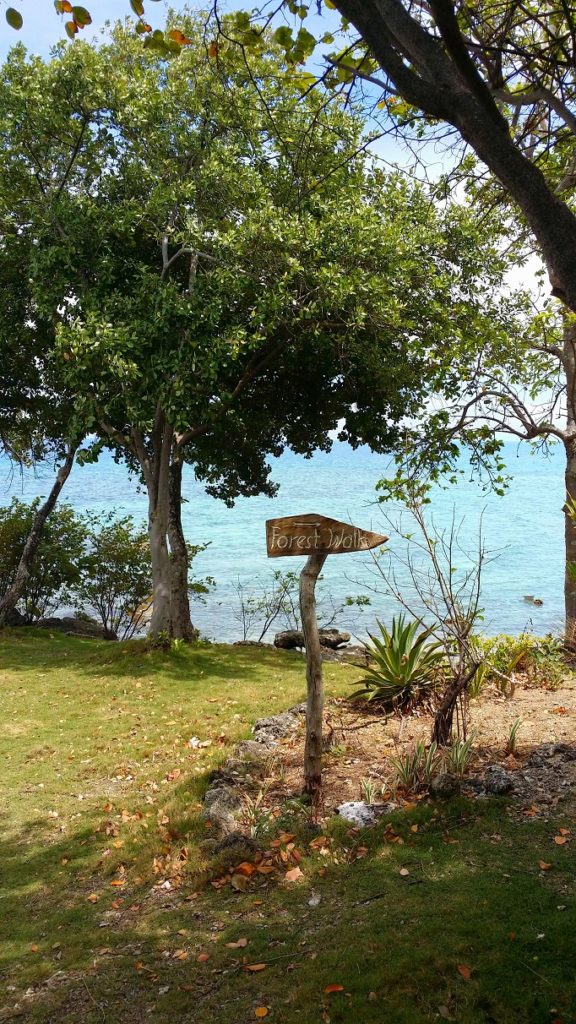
pixel 28 649
pixel 456 922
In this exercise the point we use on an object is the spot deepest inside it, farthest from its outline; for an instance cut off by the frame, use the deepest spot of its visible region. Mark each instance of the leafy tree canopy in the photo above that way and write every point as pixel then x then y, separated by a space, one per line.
pixel 220 279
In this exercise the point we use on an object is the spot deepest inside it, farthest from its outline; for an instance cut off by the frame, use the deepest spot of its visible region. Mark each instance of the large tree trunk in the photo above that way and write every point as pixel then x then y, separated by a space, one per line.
pixel 181 625
pixel 570 543
pixel 315 691
pixel 10 599
pixel 569 362
pixel 158 482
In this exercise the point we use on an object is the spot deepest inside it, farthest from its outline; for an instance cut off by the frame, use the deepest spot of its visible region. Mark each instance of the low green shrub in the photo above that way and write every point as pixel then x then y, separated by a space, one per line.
pixel 55 570
pixel 540 658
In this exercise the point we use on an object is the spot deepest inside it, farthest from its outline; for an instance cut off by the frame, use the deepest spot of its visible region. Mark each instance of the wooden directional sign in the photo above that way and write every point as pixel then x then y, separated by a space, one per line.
pixel 312 534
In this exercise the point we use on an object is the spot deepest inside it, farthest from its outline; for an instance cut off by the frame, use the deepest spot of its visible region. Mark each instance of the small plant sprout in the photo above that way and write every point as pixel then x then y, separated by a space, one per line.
pixel 511 742
pixel 368 790
pixel 255 815
pixel 458 755
pixel 417 768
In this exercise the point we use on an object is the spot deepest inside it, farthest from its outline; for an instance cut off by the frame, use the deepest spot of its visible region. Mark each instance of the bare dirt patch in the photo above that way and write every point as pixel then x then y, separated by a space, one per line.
pixel 361 741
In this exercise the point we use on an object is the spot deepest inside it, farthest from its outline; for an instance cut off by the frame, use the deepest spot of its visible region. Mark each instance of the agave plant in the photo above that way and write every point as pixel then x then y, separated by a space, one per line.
pixel 406 663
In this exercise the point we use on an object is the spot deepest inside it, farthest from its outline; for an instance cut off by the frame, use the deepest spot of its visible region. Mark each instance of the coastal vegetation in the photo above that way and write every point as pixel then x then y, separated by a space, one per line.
pixel 203 265
pixel 108 910
pixel 210 283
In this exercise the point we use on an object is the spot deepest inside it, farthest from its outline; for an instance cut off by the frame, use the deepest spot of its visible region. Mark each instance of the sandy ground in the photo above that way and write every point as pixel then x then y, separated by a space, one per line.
pixel 363 740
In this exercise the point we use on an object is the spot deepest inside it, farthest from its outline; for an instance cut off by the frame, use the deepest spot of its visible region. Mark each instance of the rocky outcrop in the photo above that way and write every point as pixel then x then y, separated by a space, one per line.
pixel 225 799
pixel 291 639
pixel 76 626
pixel 444 786
pixel 361 814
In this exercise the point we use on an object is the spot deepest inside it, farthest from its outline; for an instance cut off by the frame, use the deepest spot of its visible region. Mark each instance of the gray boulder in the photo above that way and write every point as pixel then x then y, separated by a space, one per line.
pixel 78 626
pixel 497 781
pixel 444 786
pixel 289 639
pixel 222 805
pixel 269 730
pixel 361 814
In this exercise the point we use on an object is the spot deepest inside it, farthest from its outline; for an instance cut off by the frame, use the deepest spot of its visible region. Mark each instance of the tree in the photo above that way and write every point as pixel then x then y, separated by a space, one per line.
pixel 525 389
pixel 166 43
pixel 116 575
pixel 37 421
pixel 223 284
pixel 502 75
pixel 500 79
pixel 56 567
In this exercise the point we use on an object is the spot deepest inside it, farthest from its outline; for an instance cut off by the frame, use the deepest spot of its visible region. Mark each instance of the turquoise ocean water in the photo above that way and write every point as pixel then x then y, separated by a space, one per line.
pixel 523 531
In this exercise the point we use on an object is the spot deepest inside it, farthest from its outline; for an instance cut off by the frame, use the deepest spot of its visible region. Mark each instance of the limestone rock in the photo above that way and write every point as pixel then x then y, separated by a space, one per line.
pixel 70 624
pixel 444 786
pixel 289 639
pixel 497 780
pixel 222 805
pixel 270 730
pixel 361 814
pixel 252 750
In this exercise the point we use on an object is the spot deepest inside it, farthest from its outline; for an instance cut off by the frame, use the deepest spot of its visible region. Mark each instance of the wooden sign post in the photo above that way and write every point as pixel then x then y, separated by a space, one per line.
pixel 317 537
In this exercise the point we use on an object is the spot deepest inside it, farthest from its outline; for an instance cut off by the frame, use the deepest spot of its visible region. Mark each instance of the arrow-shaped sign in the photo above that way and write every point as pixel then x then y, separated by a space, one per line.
pixel 314 534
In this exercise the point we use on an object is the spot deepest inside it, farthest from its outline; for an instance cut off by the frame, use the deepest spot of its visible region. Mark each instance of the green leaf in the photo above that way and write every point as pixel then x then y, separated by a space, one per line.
pixel 138 7
pixel 14 18
pixel 82 17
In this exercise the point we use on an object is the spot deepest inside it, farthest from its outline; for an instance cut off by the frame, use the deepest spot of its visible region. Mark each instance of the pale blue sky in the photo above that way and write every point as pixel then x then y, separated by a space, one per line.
pixel 43 27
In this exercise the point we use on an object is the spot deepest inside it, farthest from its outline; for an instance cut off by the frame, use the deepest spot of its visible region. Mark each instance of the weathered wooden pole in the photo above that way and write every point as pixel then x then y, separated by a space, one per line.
pixel 314 686
pixel 315 536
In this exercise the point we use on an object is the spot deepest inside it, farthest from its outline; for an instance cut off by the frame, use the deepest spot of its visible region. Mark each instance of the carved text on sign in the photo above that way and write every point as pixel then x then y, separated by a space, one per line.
pixel 314 534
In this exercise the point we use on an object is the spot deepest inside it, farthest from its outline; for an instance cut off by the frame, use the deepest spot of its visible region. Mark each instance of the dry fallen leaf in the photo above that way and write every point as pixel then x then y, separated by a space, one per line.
pixel 34 948
pixel 564 831
pixel 560 840
pixel 293 875
pixel 464 971
pixel 261 1011
pixel 181 954
pixel 543 865
pixel 404 871
pixel 92 898
pixel 254 967
pixel 245 868
pixel 334 988
pixel 319 842
pixel 202 958
pixel 240 944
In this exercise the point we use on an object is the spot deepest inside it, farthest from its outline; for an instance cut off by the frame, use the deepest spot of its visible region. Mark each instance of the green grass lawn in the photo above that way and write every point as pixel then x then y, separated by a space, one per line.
pixel 446 914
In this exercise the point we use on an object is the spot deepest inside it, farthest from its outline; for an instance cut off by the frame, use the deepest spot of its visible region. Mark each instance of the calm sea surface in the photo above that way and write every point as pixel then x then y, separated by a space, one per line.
pixel 523 532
